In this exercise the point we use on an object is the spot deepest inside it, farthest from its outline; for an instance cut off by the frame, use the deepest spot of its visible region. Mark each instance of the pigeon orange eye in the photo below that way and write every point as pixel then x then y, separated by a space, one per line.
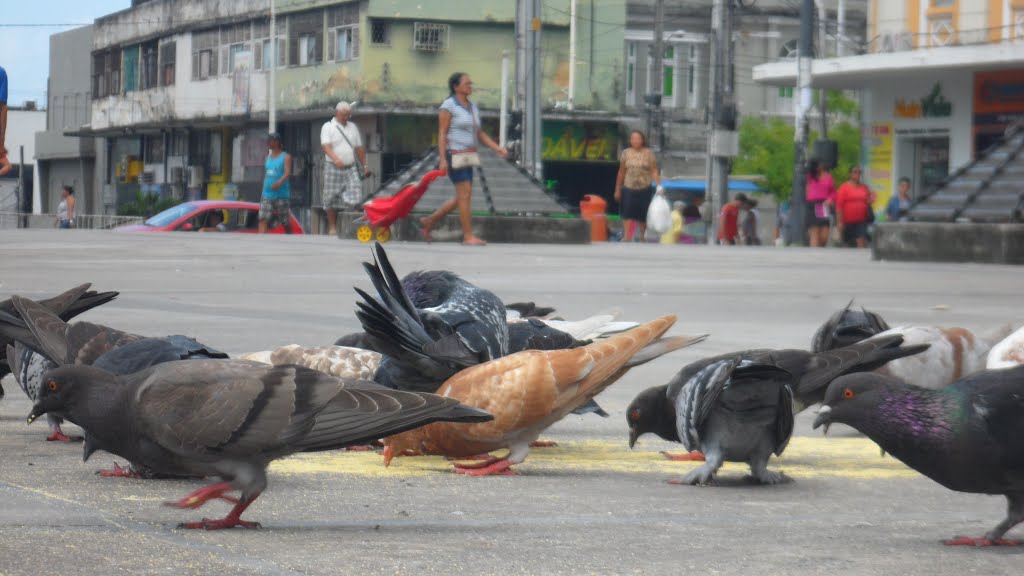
pixel 634 415
pixel 52 385
pixel 848 394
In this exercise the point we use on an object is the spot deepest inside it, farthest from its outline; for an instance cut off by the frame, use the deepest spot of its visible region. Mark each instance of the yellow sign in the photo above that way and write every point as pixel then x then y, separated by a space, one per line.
pixel 878 144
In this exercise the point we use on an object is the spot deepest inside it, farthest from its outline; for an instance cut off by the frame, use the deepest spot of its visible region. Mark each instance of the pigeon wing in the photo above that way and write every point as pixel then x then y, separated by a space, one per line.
pixel 697 398
pixel 48 330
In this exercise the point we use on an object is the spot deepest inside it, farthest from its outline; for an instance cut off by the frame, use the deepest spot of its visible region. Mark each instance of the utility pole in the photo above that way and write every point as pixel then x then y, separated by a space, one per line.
pixel 503 108
pixel 532 139
pixel 272 87
pixel 798 200
pixel 723 141
pixel 822 52
pixel 572 55
pixel 658 77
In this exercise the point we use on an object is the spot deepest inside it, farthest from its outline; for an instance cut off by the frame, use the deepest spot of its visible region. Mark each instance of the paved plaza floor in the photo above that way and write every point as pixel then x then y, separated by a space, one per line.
pixel 588 506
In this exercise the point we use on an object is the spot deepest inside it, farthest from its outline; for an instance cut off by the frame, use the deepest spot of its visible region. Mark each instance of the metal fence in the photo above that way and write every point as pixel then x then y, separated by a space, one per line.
pixel 82 221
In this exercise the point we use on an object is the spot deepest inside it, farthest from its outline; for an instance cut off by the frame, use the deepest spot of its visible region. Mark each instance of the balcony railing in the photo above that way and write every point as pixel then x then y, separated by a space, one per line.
pixel 82 221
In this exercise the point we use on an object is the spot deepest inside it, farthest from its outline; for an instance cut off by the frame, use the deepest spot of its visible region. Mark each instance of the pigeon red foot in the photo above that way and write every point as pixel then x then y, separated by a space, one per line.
pixel 119 471
pixel 490 467
pixel 694 456
pixel 980 542
pixel 213 492
pixel 543 444
pixel 59 436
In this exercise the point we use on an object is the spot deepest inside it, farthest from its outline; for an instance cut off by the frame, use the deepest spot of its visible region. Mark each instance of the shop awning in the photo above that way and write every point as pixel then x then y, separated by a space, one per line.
pixel 699 186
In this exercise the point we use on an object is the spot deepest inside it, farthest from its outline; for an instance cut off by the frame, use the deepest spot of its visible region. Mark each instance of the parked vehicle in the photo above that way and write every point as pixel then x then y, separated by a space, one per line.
pixel 238 217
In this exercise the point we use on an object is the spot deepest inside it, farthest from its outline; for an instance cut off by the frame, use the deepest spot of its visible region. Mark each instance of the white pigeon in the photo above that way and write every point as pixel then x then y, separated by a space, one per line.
pixel 594 327
pixel 1007 353
pixel 340 361
pixel 953 353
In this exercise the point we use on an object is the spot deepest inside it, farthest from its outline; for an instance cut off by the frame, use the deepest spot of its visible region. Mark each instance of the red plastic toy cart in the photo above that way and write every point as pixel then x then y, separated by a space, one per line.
pixel 380 213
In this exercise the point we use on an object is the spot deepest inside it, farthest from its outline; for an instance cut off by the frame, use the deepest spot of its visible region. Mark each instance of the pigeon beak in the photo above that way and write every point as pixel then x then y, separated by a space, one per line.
pixel 388 455
pixel 632 437
pixel 37 411
pixel 824 418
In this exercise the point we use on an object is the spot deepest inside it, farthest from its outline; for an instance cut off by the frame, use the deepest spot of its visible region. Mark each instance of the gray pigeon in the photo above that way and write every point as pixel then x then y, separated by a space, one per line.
pixel 968 436
pixel 44 341
pixel 695 409
pixel 430 325
pixel 231 418
pixel 847 327
pixel 66 306
pixel 738 411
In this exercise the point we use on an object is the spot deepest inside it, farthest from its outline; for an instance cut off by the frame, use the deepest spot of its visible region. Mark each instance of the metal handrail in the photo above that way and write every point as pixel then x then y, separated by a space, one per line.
pixel 82 221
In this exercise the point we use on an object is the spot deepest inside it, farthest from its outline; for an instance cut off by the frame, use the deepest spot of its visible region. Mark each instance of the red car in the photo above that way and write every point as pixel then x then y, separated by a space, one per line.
pixel 201 215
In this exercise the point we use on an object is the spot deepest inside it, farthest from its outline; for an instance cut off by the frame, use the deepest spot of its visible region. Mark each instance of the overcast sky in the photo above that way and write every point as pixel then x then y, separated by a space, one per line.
pixel 25 45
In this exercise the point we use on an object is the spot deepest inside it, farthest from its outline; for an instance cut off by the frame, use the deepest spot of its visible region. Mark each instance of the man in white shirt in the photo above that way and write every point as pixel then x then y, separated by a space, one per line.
pixel 340 140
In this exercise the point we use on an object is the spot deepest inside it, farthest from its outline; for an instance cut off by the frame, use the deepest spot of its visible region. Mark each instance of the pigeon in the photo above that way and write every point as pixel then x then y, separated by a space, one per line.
pixel 231 418
pixel 529 391
pixel 660 409
pixel 527 310
pixel 44 341
pixel 847 327
pixel 968 436
pixel 1009 352
pixel 66 306
pixel 735 410
pixel 429 325
pixel 953 354
pixel 339 361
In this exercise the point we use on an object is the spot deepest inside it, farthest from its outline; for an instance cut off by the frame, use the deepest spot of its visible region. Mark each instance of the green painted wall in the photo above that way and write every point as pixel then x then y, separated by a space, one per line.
pixel 397 75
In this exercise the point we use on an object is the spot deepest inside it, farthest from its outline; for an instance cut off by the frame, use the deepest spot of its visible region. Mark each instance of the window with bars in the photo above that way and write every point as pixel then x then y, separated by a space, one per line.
pixel 148 68
pixel 167 59
pixel 262 53
pixel 204 54
pixel 130 56
pixel 234 40
pixel 305 38
pixel 343 43
pixel 99 79
pixel 430 37
pixel 380 33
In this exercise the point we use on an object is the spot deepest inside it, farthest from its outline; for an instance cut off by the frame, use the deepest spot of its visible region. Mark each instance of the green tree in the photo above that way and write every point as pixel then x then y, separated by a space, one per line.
pixel 766 149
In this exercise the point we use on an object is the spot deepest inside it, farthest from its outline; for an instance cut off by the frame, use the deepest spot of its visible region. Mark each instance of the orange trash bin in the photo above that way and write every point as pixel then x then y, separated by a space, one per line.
pixel 593 209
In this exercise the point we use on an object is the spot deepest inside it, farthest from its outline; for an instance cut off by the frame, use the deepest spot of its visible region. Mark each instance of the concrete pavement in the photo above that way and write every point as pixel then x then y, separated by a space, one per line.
pixel 589 506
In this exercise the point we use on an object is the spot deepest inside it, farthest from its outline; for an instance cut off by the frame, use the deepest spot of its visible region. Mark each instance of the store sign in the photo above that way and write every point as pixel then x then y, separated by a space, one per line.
pixel 878 149
pixel 934 105
pixel 594 142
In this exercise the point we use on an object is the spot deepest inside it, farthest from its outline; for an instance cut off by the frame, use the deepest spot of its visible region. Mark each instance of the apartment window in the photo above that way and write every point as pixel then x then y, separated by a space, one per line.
pixel 305 38
pixel 131 69
pixel 262 53
pixel 343 32
pixel 669 74
pixel 204 54
pixel 430 37
pixel 234 41
pixel 149 78
pixel 153 149
pixel 99 70
pixel 942 22
pixel 631 74
pixel 167 58
pixel 380 33
pixel 692 76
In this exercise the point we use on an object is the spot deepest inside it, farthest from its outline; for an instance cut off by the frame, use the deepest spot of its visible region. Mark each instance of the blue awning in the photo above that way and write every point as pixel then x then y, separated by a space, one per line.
pixel 699 186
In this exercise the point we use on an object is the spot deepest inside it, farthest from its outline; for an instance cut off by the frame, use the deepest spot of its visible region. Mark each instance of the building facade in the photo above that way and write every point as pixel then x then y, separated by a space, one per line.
pixel 763 31
pixel 22 124
pixel 65 160
pixel 941 81
pixel 180 90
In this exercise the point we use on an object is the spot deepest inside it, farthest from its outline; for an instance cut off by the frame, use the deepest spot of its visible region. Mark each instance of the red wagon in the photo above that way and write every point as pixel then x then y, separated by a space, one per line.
pixel 380 213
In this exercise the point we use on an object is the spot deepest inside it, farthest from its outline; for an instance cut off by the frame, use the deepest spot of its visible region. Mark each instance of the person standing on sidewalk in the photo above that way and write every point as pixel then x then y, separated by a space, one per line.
pixel 5 162
pixel 343 185
pixel 634 185
pixel 853 209
pixel 274 202
pixel 66 208
pixel 821 195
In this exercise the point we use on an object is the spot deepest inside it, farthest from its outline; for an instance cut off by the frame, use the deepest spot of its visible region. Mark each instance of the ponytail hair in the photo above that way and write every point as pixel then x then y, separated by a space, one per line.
pixel 453 81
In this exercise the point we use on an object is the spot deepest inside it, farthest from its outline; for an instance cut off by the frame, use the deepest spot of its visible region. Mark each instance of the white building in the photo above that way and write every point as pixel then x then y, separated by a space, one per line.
pixel 941 81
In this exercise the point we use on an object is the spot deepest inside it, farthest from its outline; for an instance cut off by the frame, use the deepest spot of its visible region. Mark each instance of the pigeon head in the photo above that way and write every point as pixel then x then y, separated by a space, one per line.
pixel 651 412
pixel 854 399
pixel 847 327
pixel 65 388
pixel 405 444
pixel 427 289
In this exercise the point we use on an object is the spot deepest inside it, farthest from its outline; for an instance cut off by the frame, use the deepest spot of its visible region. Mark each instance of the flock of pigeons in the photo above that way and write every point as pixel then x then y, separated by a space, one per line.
pixel 445 367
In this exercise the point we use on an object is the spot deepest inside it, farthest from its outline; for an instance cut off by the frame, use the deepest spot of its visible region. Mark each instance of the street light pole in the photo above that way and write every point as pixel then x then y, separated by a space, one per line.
pixel 272 90
pixel 798 200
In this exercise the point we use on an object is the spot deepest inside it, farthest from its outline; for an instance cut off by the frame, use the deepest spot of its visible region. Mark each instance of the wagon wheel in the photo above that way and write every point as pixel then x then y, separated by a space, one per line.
pixel 383 234
pixel 364 233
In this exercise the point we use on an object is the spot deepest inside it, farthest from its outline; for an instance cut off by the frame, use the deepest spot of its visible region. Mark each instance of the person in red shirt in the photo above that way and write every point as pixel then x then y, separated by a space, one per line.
pixel 728 222
pixel 853 209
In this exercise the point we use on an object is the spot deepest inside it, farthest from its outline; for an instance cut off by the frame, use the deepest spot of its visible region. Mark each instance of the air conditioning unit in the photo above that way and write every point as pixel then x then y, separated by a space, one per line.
pixel 196 176
pixel 895 42
pixel 147 177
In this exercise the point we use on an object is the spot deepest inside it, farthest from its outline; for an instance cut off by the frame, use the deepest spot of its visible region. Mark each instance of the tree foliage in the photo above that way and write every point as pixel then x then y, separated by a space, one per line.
pixel 766 146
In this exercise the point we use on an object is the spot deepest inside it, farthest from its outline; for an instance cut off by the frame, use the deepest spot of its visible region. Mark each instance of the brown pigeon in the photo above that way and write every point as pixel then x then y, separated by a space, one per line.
pixel 529 391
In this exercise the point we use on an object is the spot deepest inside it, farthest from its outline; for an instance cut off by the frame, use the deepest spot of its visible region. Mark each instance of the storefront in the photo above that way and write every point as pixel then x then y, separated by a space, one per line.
pixel 581 157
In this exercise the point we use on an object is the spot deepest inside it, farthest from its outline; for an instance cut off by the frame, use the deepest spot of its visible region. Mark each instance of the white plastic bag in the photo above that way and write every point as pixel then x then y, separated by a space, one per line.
pixel 659 214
